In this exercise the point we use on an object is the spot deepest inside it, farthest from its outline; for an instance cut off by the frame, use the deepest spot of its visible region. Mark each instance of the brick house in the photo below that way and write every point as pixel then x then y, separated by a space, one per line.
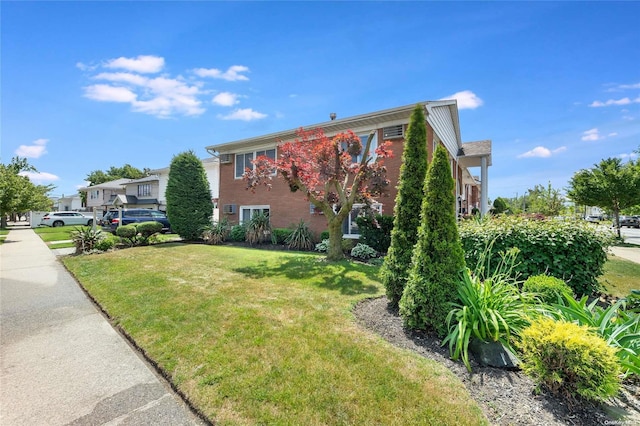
pixel 286 208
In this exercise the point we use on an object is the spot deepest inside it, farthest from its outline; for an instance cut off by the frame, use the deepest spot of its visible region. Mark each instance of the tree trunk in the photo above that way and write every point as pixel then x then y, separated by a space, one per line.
pixel 335 239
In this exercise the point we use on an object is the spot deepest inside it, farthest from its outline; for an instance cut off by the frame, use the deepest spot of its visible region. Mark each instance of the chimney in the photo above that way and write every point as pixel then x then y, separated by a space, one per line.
pixel 332 116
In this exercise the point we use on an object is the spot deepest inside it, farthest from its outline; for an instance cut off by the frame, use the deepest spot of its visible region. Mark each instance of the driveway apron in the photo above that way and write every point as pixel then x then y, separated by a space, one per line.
pixel 61 361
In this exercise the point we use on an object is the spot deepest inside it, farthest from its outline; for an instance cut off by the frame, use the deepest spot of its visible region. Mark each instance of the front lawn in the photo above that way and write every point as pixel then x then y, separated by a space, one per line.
pixel 60 233
pixel 267 337
pixel 620 276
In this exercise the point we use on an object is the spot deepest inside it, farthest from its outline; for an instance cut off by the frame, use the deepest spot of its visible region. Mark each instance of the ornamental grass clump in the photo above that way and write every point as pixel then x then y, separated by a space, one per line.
pixel 300 238
pixel 258 228
pixel 85 239
pixel 216 233
pixel 569 360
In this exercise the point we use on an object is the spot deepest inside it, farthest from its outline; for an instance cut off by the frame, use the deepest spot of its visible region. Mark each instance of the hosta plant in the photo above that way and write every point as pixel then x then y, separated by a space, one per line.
pixel 363 252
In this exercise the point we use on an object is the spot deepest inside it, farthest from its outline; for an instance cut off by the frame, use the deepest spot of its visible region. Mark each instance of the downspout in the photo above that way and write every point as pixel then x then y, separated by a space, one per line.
pixel 484 186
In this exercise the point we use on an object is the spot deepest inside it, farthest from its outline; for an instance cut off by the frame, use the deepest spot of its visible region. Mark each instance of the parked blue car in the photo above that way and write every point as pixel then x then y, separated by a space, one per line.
pixel 110 221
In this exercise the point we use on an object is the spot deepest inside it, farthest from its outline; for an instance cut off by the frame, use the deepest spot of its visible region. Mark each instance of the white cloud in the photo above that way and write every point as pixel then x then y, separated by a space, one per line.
pixel 162 96
pixel 231 74
pixel 246 114
pixel 40 177
pixel 33 151
pixel 123 77
pixel 225 99
pixel 106 93
pixel 614 102
pixel 542 152
pixel 142 63
pixel 466 99
pixel 612 134
pixel 591 135
pixel 632 155
pixel 85 67
pixel 629 86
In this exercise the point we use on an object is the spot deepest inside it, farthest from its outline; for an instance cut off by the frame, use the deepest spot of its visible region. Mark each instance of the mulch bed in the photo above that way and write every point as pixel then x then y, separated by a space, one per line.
pixel 506 397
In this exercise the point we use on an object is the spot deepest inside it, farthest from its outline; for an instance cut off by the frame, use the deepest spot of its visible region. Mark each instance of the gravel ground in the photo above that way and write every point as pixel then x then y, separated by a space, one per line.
pixel 506 397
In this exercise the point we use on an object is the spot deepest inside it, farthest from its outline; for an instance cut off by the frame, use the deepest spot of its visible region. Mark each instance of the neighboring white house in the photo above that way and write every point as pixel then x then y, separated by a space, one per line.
pixel 73 203
pixel 147 192
pixel 211 167
pixel 102 195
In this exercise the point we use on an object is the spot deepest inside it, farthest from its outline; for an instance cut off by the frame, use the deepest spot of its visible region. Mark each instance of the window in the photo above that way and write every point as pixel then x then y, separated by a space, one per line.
pixel 244 161
pixel 144 190
pixel 349 226
pixel 372 149
pixel 247 212
pixel 94 195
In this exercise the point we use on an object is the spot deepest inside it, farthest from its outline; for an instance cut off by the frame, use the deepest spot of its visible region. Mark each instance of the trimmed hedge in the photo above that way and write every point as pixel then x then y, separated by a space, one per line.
pixel 572 251
pixel 280 235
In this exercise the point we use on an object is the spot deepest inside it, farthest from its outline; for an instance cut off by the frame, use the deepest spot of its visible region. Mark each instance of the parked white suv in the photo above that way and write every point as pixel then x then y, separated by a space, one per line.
pixel 66 218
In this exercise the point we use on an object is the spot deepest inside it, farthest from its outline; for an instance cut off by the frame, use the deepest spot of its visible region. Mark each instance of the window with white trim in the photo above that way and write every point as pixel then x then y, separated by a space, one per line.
pixel 144 190
pixel 349 226
pixel 245 160
pixel 363 140
pixel 95 194
pixel 247 212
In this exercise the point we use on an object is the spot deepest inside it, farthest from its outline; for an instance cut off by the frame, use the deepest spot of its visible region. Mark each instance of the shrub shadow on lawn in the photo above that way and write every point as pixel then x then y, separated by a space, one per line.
pixel 313 269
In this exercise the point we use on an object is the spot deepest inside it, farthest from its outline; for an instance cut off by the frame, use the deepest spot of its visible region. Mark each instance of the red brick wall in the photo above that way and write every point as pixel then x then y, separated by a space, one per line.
pixel 288 208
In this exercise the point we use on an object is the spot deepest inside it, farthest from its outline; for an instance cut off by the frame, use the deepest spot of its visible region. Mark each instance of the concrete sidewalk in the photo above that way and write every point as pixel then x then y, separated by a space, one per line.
pixel 628 253
pixel 61 361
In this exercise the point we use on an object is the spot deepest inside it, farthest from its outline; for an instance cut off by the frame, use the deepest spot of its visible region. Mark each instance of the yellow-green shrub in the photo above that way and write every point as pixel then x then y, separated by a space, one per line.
pixel 569 360
pixel 546 287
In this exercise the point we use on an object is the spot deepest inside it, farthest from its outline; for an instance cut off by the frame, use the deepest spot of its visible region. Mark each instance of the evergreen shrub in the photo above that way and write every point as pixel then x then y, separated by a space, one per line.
pixel 569 360
pixel 324 235
pixel 280 235
pixel 376 231
pixel 438 259
pixel 189 205
pixel 127 233
pixel 238 233
pixel 145 230
pixel 570 250
pixel 408 205
pixel 547 288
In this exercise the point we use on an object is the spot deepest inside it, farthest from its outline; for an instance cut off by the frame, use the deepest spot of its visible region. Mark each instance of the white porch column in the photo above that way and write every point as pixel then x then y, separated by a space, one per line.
pixel 484 186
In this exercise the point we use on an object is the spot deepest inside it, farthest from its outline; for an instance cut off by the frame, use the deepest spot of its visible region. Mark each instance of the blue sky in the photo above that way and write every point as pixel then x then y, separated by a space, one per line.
pixel 90 85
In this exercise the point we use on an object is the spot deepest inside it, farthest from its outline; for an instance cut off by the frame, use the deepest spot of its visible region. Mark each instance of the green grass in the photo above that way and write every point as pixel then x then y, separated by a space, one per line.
pixel 266 337
pixel 3 235
pixel 59 233
pixel 620 276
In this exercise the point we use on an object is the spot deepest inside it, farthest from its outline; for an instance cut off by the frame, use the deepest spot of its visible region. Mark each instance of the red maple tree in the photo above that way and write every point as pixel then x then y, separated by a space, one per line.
pixel 332 173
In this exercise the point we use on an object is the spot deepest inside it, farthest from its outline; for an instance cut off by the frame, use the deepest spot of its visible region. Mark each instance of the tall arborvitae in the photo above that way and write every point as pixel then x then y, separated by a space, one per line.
pixel 189 205
pixel 404 235
pixel 437 258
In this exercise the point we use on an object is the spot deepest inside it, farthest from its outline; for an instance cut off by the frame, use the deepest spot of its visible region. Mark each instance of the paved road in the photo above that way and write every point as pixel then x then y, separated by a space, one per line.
pixel 62 362
pixel 631 235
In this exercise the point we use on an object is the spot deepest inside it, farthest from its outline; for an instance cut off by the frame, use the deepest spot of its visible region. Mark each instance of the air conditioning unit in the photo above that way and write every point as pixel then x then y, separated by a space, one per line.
pixel 393 132
pixel 225 158
pixel 229 209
